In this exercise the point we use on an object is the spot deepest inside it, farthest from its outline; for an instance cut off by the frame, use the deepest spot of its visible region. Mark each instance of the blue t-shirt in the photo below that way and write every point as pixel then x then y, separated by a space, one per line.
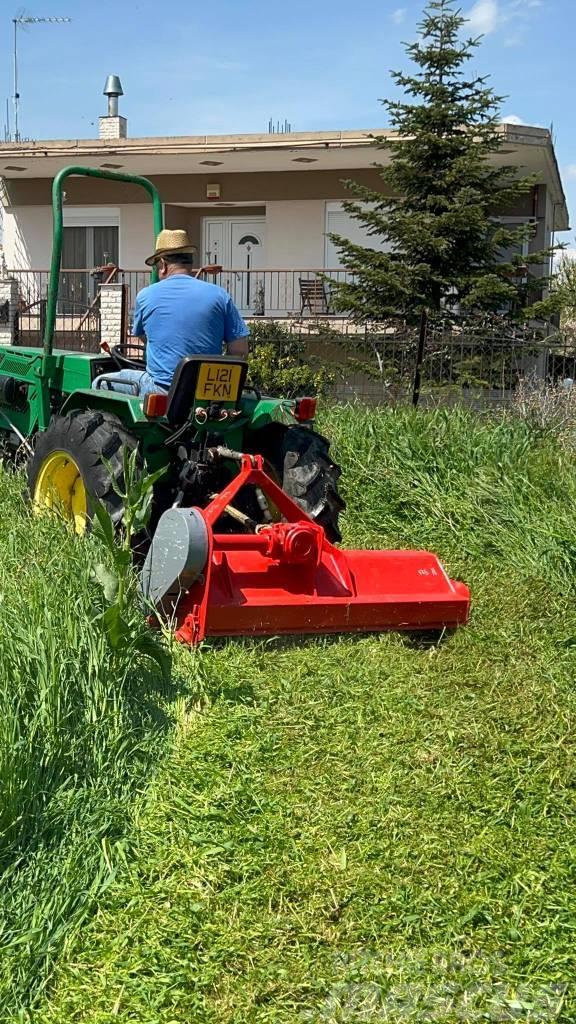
pixel 184 316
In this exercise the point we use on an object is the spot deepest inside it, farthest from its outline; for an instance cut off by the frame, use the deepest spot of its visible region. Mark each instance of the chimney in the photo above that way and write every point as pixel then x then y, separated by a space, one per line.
pixel 112 126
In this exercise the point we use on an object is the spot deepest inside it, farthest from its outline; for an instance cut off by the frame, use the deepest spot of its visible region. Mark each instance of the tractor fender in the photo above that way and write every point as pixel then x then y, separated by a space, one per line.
pixel 127 408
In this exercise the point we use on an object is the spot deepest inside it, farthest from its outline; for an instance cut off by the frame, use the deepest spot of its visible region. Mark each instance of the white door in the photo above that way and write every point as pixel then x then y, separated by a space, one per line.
pixel 247 239
pixel 215 248
pixel 238 245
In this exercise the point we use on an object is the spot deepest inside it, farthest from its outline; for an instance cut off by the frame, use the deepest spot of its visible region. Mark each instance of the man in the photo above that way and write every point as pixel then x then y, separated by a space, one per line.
pixel 178 316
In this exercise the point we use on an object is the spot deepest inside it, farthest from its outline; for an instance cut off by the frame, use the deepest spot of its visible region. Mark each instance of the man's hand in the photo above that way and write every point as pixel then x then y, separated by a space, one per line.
pixel 239 348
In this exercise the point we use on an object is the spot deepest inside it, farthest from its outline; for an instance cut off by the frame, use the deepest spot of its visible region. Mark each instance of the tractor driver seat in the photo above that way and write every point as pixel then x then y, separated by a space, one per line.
pixel 204 380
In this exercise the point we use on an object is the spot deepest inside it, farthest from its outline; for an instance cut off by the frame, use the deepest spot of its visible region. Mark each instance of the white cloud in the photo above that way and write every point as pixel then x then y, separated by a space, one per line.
pixel 483 16
pixel 486 16
pixel 512 119
pixel 515 40
pixel 398 15
pixel 570 171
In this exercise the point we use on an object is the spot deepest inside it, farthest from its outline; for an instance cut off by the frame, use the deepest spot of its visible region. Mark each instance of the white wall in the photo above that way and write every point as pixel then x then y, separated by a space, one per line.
pixel 28 235
pixel 295 233
pixel 294 241
pixel 136 235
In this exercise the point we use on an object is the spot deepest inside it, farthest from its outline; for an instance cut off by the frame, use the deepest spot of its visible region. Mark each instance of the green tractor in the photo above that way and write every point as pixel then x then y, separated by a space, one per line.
pixel 78 434
pixel 245 511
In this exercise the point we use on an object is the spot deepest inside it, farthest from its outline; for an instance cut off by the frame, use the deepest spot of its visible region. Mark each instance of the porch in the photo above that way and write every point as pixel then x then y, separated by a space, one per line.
pixel 292 294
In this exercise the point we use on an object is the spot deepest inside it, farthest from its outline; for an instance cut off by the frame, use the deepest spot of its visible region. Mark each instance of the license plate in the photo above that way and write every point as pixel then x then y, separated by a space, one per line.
pixel 218 383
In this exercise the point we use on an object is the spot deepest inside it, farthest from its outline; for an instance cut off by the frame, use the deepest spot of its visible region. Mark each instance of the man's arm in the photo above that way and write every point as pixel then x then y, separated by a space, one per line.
pixel 137 321
pixel 238 347
pixel 236 332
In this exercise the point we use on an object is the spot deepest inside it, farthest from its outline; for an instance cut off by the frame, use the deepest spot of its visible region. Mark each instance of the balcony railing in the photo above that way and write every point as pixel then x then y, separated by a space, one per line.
pixel 283 294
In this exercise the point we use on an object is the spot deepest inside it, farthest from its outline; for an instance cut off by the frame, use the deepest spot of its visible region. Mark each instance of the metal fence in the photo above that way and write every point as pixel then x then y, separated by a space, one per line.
pixel 283 294
pixel 276 294
pixel 77 326
pixel 268 293
pixel 474 361
pixel 471 362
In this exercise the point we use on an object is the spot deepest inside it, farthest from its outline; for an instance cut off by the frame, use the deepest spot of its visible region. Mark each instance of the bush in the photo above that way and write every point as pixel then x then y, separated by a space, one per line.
pixel 548 408
pixel 280 364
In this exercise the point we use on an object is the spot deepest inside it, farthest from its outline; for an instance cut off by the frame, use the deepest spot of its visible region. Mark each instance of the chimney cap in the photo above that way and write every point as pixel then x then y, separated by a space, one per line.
pixel 113 86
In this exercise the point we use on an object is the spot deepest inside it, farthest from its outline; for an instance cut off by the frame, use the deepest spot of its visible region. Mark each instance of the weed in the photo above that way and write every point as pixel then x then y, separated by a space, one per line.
pixel 548 408
pixel 127 633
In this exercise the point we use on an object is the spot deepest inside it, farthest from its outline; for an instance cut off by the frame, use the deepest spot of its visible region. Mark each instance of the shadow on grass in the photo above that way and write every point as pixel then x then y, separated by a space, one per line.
pixel 414 639
pixel 150 698
pixel 427 638
pixel 242 693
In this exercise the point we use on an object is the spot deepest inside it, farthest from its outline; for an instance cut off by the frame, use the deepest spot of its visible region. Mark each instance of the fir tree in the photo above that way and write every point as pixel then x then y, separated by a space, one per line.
pixel 441 193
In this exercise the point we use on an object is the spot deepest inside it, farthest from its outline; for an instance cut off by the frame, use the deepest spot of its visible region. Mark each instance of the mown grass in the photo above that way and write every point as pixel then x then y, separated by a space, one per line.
pixel 366 829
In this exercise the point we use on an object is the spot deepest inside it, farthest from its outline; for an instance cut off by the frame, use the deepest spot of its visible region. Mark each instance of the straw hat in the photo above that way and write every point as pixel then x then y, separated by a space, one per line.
pixel 170 241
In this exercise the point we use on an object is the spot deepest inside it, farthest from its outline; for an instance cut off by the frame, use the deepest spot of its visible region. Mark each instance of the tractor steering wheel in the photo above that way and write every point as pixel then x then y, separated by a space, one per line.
pixel 136 362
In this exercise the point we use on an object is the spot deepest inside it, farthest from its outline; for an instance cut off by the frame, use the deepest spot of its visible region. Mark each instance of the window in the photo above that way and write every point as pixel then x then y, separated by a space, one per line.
pixel 521 248
pixel 90 239
pixel 339 222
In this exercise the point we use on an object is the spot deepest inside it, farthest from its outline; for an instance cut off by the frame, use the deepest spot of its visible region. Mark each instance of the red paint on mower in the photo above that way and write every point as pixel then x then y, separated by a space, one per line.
pixel 288 578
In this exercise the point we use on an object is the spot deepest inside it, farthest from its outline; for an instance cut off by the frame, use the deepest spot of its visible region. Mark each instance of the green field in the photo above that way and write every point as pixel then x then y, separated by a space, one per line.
pixel 358 829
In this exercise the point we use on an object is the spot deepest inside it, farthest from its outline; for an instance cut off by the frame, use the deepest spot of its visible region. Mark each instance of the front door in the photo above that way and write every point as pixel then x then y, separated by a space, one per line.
pixel 248 259
pixel 238 245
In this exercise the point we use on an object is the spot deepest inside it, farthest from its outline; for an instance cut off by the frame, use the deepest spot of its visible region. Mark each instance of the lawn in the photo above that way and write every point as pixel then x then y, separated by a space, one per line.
pixel 333 829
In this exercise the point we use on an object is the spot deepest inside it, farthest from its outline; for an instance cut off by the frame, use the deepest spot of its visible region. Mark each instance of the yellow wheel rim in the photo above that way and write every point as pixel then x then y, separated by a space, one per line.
pixel 60 487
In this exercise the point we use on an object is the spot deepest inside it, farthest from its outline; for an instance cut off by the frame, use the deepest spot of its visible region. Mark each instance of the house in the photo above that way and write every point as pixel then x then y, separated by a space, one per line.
pixel 261 206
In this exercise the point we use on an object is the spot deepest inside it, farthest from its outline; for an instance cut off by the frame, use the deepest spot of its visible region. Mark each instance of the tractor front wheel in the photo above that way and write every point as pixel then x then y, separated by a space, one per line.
pixel 78 458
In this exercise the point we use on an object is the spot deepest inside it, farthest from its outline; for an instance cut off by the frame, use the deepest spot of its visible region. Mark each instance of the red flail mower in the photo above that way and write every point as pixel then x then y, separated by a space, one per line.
pixel 287 578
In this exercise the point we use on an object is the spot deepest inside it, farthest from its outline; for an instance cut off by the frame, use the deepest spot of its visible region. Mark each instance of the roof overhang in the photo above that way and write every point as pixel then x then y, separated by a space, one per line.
pixel 528 148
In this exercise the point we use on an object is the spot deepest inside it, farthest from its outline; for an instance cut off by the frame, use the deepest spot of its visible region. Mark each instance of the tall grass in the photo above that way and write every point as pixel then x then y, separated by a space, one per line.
pixel 487 494
pixel 81 725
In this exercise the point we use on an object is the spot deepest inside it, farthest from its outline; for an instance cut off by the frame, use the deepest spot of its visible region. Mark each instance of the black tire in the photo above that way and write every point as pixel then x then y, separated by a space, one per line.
pixel 302 465
pixel 95 440
pixel 311 477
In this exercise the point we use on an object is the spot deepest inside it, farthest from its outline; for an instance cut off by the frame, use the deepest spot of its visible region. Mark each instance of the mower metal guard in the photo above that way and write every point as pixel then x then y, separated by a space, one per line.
pixel 288 578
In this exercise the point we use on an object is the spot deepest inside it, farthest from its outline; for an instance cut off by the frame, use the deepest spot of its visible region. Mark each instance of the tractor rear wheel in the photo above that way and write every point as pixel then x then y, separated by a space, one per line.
pixel 299 459
pixel 79 456
pixel 310 476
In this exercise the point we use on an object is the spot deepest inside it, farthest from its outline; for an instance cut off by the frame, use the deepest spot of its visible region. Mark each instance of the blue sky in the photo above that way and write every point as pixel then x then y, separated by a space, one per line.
pixel 195 67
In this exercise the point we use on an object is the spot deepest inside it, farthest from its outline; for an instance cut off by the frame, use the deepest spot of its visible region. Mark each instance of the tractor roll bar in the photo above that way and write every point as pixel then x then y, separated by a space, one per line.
pixel 55 266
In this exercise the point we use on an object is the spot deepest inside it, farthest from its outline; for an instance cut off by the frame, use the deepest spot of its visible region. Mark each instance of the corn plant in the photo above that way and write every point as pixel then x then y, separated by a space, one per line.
pixel 116 576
